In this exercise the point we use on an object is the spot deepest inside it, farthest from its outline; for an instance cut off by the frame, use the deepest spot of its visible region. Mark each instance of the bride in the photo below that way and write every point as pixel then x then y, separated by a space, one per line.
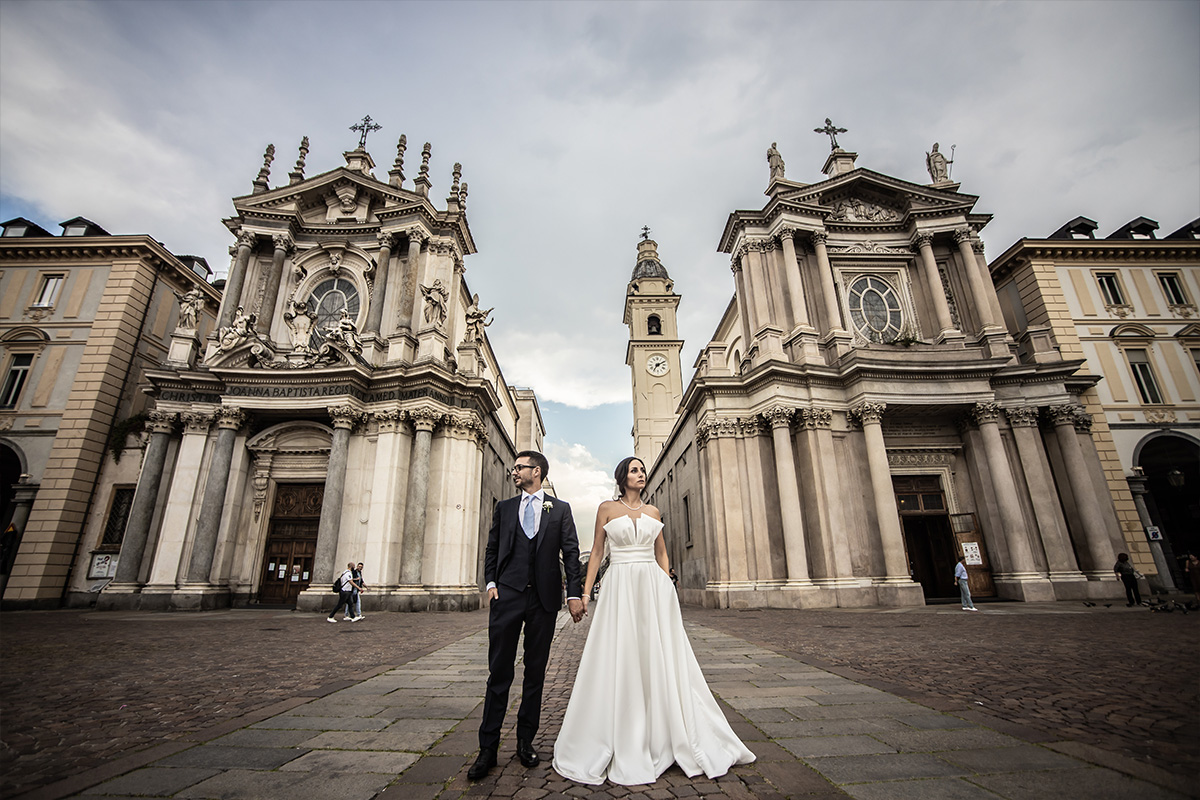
pixel 640 702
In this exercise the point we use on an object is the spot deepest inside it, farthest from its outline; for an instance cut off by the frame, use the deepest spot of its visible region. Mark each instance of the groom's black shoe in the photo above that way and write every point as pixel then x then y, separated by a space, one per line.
pixel 527 754
pixel 483 764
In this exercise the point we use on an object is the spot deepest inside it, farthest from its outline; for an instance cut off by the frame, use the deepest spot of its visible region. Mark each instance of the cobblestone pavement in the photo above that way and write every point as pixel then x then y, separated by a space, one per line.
pixel 78 688
pixel 1121 679
pixel 249 705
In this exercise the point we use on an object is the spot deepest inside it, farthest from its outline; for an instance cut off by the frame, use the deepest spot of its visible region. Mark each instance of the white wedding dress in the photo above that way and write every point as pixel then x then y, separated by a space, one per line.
pixel 640 702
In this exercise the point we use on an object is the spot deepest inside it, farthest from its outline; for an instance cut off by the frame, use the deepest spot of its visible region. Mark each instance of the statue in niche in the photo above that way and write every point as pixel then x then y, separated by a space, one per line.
pixel 241 329
pixel 938 166
pixel 191 303
pixel 775 162
pixel 477 320
pixel 300 320
pixel 435 303
pixel 344 331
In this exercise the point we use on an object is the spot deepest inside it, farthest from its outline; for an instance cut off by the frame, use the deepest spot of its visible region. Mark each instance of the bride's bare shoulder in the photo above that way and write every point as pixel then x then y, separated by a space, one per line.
pixel 653 512
pixel 608 510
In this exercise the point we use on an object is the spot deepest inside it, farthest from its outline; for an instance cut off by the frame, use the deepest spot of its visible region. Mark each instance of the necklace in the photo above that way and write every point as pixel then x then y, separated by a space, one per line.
pixel 631 508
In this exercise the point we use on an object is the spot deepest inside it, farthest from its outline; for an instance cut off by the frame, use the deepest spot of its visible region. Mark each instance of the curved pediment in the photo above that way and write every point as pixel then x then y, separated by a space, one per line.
pixel 302 436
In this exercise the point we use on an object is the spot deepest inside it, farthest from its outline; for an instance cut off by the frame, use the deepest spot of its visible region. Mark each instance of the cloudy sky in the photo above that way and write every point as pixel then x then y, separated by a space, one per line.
pixel 577 123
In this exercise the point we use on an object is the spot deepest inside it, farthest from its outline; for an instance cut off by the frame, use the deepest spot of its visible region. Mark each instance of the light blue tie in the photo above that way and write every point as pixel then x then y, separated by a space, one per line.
pixel 527 519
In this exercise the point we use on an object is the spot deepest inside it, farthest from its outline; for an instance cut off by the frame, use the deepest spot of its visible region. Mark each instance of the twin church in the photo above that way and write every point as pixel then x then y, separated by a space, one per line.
pixel 859 418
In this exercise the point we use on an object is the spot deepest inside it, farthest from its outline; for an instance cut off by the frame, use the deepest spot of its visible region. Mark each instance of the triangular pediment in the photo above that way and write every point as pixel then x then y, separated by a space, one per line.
pixel 865 196
pixel 338 195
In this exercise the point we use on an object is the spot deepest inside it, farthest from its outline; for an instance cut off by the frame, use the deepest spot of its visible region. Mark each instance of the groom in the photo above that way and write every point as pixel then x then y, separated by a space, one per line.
pixel 524 585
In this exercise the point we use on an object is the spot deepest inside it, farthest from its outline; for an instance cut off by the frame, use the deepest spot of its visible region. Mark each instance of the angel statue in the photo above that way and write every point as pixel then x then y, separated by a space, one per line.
pixel 477 320
pixel 238 331
pixel 345 331
pixel 190 305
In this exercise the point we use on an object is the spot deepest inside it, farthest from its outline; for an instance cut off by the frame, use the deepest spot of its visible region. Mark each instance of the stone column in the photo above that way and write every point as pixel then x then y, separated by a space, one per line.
pixel 979 293
pixel 204 545
pixel 424 421
pixel 791 265
pixel 829 294
pixel 1095 535
pixel 266 314
pixel 789 497
pixel 1060 558
pixel 923 241
pixel 823 495
pixel 1165 581
pixel 408 286
pixel 891 535
pixel 454 303
pixel 232 294
pixel 145 496
pixel 329 526
pixel 375 313
pixel 986 276
pixel 739 280
pixel 756 279
pixel 714 511
pixel 1016 534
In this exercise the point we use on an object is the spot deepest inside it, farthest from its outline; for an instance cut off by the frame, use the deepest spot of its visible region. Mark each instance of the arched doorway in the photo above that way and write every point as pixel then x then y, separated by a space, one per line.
pixel 10 541
pixel 1171 463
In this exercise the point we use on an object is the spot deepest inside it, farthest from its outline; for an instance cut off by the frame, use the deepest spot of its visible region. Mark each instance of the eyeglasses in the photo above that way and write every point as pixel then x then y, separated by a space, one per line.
pixel 519 467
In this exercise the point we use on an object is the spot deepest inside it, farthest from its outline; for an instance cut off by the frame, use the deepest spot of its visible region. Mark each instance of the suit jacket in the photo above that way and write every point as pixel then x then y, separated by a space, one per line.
pixel 556 535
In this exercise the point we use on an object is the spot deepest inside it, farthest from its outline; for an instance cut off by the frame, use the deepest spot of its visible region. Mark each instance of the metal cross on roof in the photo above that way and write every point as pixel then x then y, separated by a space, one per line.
pixel 645 232
pixel 366 126
pixel 831 131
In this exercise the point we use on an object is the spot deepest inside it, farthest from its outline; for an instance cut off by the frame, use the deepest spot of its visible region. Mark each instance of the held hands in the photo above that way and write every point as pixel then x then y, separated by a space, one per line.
pixel 577 608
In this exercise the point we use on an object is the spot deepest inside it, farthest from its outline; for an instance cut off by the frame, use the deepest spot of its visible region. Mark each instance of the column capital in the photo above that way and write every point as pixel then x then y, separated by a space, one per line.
pixel 388 420
pixel 284 242
pixel 813 418
pixel 977 246
pixel 416 234
pixel 787 232
pixel 468 425
pixel 345 417
pixel 162 421
pixel 735 263
pixel 425 419
pixel 818 238
pixel 962 235
pixel 922 239
pixel 245 238
pixel 230 418
pixel 1064 414
pixel 1022 416
pixel 197 422
pixel 779 416
pixel 868 413
pixel 387 239
pixel 983 413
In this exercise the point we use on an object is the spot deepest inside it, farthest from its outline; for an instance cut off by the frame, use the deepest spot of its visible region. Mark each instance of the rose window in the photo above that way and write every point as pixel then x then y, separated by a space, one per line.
pixel 875 309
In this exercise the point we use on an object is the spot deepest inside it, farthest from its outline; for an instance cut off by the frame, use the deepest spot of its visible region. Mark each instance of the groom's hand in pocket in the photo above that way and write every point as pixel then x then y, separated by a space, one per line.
pixel 493 594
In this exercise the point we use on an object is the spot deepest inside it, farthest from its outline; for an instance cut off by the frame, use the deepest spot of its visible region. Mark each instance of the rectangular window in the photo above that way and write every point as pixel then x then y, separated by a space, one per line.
pixel 118 518
pixel 49 291
pixel 1196 358
pixel 1143 375
pixel 1110 287
pixel 14 381
pixel 1173 288
pixel 687 522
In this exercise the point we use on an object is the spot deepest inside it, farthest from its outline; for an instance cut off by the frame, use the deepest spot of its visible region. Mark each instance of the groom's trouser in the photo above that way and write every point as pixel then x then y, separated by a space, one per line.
pixel 507 616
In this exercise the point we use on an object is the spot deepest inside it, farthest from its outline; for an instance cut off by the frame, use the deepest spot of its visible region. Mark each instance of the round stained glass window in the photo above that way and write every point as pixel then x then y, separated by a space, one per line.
pixel 328 300
pixel 875 309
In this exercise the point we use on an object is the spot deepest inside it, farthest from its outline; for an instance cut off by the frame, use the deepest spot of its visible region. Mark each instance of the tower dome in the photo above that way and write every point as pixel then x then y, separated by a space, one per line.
pixel 648 265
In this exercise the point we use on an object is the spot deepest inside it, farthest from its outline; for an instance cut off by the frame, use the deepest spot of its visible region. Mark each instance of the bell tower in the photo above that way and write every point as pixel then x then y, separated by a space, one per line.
pixel 653 351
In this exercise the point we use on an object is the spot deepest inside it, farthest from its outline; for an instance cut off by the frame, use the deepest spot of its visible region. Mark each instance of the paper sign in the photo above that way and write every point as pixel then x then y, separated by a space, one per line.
pixel 971 551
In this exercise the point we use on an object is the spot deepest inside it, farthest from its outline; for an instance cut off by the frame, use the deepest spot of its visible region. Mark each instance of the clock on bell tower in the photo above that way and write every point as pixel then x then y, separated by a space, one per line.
pixel 653 351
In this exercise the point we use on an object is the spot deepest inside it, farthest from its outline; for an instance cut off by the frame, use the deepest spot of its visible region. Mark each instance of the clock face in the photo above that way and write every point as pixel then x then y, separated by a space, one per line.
pixel 657 365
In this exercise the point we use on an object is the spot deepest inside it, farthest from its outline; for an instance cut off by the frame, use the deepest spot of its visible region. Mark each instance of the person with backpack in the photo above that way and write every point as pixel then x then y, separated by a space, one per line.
pixel 344 586
pixel 360 586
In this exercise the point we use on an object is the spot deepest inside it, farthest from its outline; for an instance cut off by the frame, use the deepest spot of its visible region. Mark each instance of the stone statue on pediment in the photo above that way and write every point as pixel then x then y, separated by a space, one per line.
pixel 191 303
pixel 937 165
pixel 237 332
pixel 477 320
pixel 435 303
pixel 775 162
pixel 345 332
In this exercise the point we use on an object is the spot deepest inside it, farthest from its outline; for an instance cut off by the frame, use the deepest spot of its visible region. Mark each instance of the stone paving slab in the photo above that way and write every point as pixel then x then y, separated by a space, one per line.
pixel 861 742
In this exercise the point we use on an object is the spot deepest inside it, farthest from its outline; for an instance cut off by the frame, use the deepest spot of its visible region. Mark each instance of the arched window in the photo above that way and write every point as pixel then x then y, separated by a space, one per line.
pixel 875 309
pixel 328 300
pixel 653 325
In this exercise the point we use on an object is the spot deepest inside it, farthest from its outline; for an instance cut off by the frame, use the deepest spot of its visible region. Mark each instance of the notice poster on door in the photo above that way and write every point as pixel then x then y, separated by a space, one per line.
pixel 971 551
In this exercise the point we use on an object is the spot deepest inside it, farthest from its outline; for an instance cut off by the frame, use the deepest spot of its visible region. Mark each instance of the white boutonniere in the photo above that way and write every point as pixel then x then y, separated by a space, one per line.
pixel 546 506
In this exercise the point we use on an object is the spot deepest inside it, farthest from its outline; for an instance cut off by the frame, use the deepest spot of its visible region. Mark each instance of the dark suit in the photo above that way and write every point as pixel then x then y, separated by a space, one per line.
pixel 533 605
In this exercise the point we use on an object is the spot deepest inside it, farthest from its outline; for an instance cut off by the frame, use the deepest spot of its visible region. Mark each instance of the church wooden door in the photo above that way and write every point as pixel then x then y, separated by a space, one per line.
pixel 968 541
pixel 291 543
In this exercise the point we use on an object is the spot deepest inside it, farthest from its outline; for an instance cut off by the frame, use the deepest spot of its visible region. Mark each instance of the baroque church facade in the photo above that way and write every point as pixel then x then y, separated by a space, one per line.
pixel 348 406
pixel 861 416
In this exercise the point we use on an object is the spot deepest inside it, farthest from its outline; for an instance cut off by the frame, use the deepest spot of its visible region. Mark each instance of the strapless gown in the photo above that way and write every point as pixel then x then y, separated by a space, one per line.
pixel 640 702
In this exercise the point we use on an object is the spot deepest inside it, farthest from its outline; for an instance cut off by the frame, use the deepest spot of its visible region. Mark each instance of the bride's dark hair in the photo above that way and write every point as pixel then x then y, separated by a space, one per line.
pixel 621 473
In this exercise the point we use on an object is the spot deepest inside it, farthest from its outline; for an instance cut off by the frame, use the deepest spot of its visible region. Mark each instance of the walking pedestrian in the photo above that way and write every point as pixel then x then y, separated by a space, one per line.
pixel 964 591
pixel 360 586
pixel 345 595
pixel 1128 576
